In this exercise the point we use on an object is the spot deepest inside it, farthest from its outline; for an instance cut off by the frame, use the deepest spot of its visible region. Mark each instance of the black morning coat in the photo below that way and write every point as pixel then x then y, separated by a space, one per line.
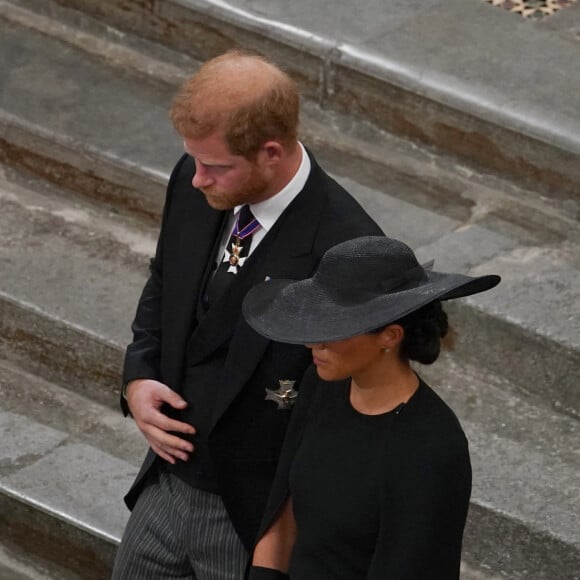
pixel 246 430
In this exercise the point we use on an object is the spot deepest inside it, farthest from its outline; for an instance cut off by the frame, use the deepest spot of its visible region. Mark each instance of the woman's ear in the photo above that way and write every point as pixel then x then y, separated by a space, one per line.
pixel 391 336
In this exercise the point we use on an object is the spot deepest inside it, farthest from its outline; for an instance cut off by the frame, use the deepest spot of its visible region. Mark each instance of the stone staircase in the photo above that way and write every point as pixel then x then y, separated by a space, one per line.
pixel 86 149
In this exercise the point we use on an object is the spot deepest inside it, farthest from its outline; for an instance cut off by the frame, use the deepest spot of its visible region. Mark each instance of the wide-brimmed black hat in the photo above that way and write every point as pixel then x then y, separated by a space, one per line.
pixel 360 285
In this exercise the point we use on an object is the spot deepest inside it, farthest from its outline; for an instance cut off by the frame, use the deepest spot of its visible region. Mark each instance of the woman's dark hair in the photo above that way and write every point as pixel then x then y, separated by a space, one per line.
pixel 424 329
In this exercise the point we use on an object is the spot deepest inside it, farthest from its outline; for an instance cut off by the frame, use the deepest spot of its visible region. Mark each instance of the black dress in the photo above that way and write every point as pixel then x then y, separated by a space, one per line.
pixel 374 496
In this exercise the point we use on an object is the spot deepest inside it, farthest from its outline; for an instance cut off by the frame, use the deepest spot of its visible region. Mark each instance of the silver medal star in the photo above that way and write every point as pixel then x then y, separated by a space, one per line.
pixel 285 395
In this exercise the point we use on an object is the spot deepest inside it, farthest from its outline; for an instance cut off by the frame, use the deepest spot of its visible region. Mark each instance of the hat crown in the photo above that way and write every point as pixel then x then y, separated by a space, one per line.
pixel 364 267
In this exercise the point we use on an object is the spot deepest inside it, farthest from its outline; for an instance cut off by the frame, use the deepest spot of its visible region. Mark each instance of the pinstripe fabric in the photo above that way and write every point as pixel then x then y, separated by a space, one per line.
pixel 177 531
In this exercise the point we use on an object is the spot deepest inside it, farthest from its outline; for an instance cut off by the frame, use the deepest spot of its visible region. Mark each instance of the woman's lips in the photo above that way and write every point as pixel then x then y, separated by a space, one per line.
pixel 317 361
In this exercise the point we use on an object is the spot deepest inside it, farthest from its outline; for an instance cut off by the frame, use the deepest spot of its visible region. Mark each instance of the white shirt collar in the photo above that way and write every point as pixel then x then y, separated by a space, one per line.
pixel 269 210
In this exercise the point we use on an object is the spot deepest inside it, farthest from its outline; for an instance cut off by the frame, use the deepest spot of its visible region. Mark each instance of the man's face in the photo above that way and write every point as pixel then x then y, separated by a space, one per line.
pixel 225 179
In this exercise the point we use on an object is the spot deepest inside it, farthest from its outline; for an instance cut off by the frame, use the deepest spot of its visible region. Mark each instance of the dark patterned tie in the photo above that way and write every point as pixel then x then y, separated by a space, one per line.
pixel 235 254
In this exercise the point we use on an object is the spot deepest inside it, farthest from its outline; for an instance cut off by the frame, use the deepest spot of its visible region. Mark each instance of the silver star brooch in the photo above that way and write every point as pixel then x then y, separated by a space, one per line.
pixel 284 396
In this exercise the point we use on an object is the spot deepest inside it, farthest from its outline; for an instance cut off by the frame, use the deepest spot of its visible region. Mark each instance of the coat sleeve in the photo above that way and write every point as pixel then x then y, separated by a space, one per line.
pixel 424 506
pixel 143 355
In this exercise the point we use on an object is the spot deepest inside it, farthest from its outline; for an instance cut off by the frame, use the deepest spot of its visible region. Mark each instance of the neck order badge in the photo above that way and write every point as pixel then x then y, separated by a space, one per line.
pixel 234 258
pixel 245 226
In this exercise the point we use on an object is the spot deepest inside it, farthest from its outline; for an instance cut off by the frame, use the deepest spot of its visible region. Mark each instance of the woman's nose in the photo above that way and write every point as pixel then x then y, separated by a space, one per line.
pixel 316 346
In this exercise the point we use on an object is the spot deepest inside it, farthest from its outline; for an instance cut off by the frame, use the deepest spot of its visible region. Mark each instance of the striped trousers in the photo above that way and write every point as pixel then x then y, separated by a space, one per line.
pixel 177 531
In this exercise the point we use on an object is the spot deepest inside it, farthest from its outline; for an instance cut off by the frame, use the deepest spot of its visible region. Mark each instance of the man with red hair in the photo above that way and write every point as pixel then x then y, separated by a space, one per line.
pixel 245 203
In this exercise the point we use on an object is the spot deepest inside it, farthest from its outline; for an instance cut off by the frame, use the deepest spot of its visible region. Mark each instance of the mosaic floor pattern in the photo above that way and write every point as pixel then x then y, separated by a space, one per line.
pixel 532 8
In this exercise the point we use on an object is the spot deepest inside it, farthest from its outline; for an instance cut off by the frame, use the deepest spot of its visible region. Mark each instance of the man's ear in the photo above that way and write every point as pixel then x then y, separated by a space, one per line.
pixel 271 152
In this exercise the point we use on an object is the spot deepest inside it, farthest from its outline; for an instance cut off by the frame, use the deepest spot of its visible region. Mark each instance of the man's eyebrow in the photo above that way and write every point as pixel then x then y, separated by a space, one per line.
pixel 210 164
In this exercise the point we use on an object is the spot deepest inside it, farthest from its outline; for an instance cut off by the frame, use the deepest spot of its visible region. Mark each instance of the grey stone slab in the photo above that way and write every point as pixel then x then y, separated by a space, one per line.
pixel 9 573
pixel 96 37
pixel 538 367
pixel 468 573
pixel 18 567
pixel 513 329
pixel 68 261
pixel 22 439
pixel 59 351
pixel 397 218
pixel 536 144
pixel 36 416
pixel 435 76
pixel 48 83
pixel 74 272
pixel 540 291
pixel 324 19
pixel 526 474
pixel 497 440
pixel 67 498
pixel 443 49
pixel 80 484
pixel 52 547
pixel 465 247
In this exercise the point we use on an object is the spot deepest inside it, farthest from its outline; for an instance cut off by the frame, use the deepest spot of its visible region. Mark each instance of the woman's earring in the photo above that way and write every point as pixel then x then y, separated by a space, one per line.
pixel 386 350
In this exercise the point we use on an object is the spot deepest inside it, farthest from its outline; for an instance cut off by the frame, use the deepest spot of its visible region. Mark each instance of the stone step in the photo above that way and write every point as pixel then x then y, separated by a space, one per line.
pixel 96 157
pixel 66 464
pixel 72 273
pixel 472 222
pixel 15 567
pixel 72 459
pixel 68 319
pixel 523 518
pixel 524 455
pixel 368 152
pixel 47 136
pixel 394 66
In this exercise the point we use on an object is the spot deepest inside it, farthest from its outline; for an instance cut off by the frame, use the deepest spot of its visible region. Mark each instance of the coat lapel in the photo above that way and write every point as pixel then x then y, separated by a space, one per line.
pixel 189 254
pixel 287 254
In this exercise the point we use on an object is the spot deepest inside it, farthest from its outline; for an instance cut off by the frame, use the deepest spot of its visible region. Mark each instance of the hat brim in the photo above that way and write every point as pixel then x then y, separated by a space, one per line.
pixel 302 312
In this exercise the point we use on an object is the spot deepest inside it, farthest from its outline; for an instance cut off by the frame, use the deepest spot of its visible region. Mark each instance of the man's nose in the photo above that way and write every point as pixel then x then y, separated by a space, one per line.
pixel 201 177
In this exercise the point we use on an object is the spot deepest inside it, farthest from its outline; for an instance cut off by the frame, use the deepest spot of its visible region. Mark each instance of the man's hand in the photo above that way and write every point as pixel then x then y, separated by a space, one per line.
pixel 145 398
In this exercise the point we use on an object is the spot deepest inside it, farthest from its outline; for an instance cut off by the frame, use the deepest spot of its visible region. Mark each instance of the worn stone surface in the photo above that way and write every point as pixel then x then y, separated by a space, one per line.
pixel 19 445
pixel 513 377
pixel 58 415
pixel 408 77
pixel 60 352
pixel 42 545
pixel 69 260
pixel 26 68
pixel 400 219
pixel 65 467
pixel 68 455
pixel 17 567
pixel 523 520
pixel 80 483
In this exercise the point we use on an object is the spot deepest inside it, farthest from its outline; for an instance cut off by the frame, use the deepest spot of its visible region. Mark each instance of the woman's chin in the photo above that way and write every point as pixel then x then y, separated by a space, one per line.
pixel 327 374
